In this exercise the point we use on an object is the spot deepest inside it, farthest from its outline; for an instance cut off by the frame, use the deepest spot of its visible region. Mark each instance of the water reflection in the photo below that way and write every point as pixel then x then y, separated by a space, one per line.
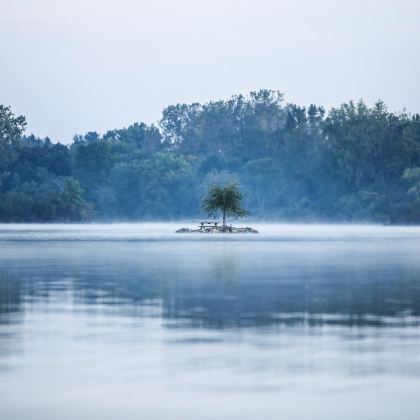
pixel 222 285
pixel 263 322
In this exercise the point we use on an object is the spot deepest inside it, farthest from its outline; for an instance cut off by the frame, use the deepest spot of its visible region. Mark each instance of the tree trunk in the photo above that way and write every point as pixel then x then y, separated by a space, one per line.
pixel 224 217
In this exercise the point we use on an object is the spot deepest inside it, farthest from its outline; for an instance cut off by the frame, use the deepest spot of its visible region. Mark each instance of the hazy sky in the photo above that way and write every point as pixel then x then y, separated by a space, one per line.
pixel 72 66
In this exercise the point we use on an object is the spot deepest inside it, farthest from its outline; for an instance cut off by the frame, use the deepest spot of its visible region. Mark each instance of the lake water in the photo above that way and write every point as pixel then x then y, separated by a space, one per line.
pixel 136 322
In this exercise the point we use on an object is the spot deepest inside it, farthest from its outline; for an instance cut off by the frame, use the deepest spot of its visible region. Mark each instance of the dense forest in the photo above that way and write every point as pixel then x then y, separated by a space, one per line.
pixel 352 163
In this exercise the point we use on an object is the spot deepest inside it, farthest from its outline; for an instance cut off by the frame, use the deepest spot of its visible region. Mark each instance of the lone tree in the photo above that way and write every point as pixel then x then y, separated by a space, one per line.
pixel 226 200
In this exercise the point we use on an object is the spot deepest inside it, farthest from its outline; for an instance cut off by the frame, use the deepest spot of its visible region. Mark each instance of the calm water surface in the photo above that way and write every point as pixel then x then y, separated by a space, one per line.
pixel 136 322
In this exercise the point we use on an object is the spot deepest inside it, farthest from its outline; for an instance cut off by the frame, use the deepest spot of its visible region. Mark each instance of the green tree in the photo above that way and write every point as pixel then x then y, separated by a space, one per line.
pixel 412 175
pixel 72 205
pixel 292 162
pixel 226 200
pixel 11 128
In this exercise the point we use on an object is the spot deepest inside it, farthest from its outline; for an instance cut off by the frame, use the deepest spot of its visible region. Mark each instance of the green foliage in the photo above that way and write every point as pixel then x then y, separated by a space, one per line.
pixel 72 206
pixel 413 176
pixel 11 128
pixel 225 200
pixel 59 199
pixel 354 162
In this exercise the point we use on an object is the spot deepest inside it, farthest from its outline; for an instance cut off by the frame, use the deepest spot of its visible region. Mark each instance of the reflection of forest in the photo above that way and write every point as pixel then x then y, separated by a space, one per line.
pixel 223 285
pixel 11 293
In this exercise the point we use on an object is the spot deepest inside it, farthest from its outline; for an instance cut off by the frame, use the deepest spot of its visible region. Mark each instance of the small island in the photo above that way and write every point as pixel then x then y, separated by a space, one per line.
pixel 225 201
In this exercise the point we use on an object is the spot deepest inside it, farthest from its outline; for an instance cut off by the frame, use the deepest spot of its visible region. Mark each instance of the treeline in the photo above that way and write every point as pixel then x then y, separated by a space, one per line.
pixel 353 163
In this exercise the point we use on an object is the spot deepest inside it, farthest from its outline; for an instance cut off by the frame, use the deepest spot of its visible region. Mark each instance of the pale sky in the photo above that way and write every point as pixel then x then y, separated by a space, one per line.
pixel 72 66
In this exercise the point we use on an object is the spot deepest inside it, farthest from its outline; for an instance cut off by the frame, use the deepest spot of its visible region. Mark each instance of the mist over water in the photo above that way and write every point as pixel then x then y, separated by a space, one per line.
pixel 134 321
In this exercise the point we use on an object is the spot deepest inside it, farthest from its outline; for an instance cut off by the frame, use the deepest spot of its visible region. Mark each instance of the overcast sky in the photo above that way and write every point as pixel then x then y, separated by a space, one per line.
pixel 72 66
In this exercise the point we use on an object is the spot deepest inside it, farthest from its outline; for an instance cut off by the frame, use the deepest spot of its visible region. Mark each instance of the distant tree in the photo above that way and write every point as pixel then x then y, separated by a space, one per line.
pixel 412 175
pixel 226 200
pixel 72 205
pixel 11 128
pixel 292 162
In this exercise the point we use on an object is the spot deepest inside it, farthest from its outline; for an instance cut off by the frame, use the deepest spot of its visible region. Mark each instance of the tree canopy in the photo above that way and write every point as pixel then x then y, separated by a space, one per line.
pixel 225 200
pixel 351 163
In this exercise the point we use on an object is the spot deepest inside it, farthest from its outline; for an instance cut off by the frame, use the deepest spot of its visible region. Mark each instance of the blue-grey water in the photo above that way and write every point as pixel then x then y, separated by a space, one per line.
pixel 136 322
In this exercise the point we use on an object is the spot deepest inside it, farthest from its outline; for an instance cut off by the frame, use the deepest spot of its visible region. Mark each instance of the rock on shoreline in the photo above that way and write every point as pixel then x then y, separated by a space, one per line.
pixel 217 229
